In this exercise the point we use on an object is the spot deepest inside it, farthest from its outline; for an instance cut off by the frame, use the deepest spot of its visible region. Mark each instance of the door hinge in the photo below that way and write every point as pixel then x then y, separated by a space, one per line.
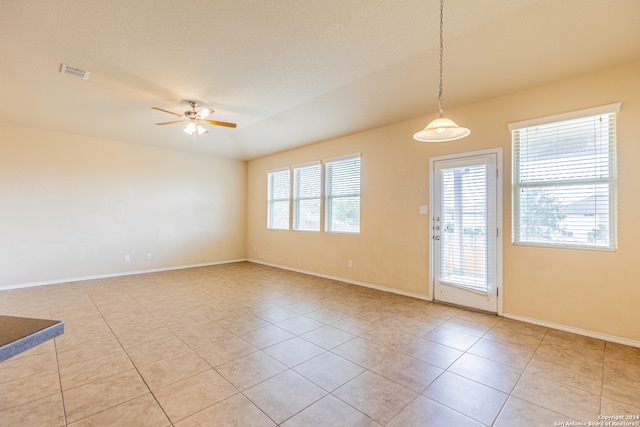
pixel 497 232
pixel 497 292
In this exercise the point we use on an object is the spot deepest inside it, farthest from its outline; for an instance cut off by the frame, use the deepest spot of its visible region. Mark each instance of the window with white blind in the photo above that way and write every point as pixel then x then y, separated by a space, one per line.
pixel 307 187
pixel 279 194
pixel 564 179
pixel 342 195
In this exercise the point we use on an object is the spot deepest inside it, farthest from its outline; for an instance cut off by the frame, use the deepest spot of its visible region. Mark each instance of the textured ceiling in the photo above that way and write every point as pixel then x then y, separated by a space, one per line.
pixel 288 72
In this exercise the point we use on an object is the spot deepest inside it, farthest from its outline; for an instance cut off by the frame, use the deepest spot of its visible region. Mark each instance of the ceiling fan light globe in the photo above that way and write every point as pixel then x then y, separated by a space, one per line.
pixel 201 129
pixel 441 130
pixel 190 128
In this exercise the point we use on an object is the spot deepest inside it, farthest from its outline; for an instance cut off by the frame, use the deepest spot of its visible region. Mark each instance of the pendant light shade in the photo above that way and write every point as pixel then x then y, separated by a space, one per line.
pixel 441 129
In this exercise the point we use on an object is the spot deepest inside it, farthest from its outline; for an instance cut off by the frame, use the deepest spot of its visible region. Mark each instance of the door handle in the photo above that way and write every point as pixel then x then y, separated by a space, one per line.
pixel 436 237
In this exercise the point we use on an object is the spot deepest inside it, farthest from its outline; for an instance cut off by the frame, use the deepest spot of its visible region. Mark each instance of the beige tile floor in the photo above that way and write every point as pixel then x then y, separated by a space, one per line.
pixel 249 345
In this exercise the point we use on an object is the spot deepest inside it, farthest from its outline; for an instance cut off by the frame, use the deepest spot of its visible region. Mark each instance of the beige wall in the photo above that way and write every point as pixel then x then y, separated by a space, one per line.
pixel 590 290
pixel 73 206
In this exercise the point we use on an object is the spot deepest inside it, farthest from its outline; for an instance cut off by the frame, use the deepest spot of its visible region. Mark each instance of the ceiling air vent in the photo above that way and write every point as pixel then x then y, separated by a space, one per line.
pixel 74 72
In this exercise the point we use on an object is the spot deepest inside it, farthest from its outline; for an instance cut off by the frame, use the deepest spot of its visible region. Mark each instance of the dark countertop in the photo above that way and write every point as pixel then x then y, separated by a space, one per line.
pixel 19 334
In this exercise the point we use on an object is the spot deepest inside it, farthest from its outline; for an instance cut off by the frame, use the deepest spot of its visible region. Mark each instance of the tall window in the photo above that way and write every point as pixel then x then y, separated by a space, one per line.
pixel 564 179
pixel 342 195
pixel 307 185
pixel 278 199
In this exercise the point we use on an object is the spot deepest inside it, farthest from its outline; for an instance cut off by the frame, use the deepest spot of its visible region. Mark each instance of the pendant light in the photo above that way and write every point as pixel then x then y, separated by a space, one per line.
pixel 441 129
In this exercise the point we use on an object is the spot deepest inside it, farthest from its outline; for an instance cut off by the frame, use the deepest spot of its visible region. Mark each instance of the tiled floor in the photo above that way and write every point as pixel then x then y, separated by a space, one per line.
pixel 248 345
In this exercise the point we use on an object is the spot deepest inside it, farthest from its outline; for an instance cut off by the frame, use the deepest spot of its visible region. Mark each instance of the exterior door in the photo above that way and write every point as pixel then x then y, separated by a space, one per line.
pixel 465 234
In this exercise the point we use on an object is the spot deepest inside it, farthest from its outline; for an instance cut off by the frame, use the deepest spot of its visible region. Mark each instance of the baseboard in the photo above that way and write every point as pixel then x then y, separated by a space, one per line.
pixel 342 279
pixel 597 335
pixel 565 328
pixel 126 273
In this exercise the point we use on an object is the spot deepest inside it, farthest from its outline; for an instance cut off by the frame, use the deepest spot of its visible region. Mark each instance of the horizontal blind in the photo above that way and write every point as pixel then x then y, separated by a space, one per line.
pixel 279 192
pixel 343 195
pixel 465 233
pixel 307 187
pixel 565 182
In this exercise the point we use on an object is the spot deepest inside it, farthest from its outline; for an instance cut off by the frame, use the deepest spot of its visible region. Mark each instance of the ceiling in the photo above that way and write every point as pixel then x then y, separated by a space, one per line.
pixel 288 72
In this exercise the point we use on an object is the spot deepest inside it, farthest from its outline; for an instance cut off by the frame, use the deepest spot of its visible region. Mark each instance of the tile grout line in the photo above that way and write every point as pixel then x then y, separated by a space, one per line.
pixel 510 394
pixel 129 357
pixel 604 362
pixel 55 347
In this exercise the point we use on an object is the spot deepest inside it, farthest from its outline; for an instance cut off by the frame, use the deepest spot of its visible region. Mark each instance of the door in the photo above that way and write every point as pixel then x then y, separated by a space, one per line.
pixel 465 234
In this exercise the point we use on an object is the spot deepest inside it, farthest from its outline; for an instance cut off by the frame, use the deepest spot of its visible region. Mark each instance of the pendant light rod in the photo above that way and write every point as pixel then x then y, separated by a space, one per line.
pixel 440 107
pixel 441 129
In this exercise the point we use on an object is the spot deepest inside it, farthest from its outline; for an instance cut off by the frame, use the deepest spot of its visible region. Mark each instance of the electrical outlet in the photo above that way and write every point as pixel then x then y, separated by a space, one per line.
pixel 127 258
pixel 148 255
pixel 350 264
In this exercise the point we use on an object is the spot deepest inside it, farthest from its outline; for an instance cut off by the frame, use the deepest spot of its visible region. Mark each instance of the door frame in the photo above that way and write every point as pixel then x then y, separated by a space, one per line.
pixel 499 217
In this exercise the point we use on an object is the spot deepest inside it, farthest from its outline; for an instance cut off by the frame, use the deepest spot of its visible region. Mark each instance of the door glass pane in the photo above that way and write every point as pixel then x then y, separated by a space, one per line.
pixel 464 239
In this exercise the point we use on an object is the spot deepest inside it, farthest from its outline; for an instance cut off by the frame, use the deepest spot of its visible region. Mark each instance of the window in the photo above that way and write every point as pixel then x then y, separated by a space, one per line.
pixel 278 199
pixel 564 179
pixel 342 195
pixel 307 184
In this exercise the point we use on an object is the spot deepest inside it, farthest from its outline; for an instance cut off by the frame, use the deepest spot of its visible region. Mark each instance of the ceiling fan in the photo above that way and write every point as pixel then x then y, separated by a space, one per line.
pixel 194 119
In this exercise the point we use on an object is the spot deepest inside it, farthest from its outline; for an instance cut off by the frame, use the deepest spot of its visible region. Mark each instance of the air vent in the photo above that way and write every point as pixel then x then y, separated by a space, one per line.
pixel 74 72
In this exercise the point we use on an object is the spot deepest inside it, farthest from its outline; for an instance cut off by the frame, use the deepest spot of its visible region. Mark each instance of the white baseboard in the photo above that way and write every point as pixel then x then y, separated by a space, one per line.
pixel 106 276
pixel 342 279
pixel 573 330
pixel 584 332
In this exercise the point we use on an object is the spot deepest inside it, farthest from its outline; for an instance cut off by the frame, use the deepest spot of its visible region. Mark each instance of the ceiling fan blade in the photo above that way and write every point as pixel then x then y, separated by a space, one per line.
pixel 205 112
pixel 173 122
pixel 214 122
pixel 167 111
